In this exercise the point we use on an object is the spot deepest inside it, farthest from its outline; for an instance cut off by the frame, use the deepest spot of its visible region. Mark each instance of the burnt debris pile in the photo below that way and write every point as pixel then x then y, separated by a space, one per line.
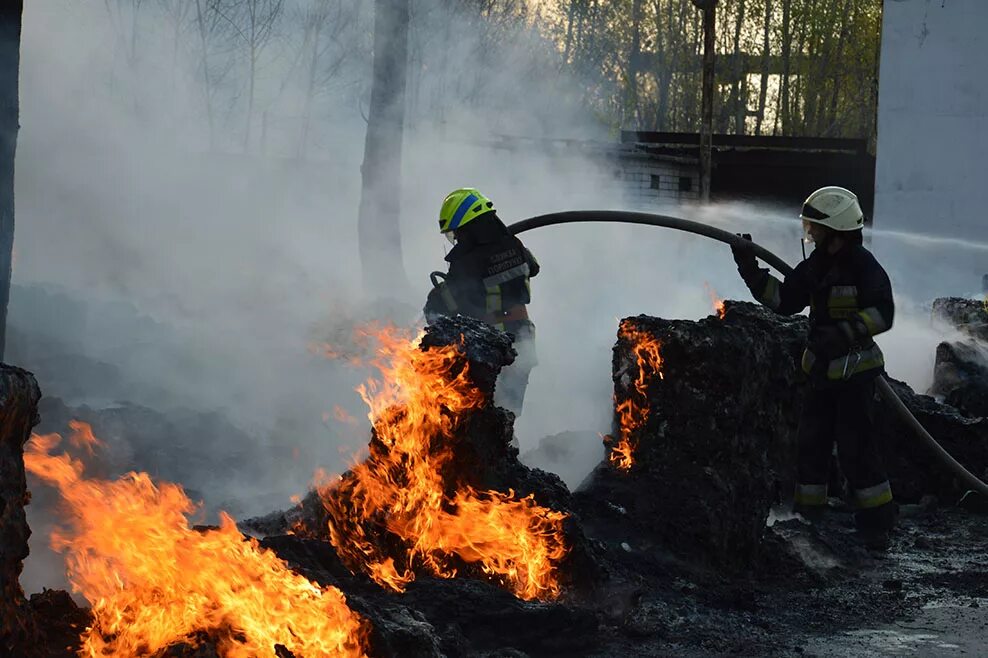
pixel 444 544
pixel 19 396
pixel 708 459
pixel 960 375
pixel 968 315
pixel 441 538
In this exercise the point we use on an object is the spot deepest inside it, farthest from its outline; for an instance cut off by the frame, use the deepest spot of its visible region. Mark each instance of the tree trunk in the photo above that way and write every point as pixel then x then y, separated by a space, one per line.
pixel 206 82
pixel 832 129
pixel 707 98
pixel 763 83
pixel 740 90
pixel 786 64
pixel 379 231
pixel 634 57
pixel 799 109
pixel 315 31
pixel 10 48
pixel 570 17
pixel 250 98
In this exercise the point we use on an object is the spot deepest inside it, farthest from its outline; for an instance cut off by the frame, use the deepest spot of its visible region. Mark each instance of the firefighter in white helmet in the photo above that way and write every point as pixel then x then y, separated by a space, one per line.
pixel 850 300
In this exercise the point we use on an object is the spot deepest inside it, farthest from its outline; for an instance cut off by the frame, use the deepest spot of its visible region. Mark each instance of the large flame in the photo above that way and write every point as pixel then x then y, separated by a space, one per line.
pixel 154 581
pixel 402 508
pixel 632 412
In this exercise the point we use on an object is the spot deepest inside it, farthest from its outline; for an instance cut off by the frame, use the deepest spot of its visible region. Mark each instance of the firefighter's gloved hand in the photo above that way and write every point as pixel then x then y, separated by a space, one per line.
pixel 744 255
pixel 829 342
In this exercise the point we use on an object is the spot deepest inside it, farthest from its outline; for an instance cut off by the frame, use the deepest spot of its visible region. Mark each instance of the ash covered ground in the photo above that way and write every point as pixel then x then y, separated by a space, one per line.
pixel 689 551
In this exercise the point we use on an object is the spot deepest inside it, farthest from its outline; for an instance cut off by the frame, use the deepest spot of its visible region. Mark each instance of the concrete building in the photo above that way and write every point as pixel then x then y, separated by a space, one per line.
pixel 932 159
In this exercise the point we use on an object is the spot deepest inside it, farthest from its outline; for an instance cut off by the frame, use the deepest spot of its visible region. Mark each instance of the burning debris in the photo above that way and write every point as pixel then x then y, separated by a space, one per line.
pixel 714 431
pixel 440 543
pixel 631 404
pixel 416 503
pixel 156 581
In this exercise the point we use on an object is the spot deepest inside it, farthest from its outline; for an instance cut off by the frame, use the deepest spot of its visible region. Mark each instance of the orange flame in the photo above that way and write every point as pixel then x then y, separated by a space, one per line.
pixel 632 412
pixel 82 436
pixel 405 489
pixel 154 581
pixel 717 302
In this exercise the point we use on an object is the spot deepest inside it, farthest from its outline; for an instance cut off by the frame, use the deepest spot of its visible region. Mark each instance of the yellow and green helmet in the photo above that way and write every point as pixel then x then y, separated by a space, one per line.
pixel 462 206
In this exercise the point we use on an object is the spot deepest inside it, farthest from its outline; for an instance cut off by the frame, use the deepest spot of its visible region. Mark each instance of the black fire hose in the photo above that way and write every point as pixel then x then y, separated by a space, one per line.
pixel 647 219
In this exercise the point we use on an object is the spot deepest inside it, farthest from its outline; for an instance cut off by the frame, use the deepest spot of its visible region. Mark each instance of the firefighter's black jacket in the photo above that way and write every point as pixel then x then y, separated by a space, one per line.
pixel 488 278
pixel 850 300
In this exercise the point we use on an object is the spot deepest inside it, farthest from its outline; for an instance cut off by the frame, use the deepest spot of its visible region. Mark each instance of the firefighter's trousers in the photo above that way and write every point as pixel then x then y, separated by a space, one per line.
pixel 843 413
pixel 512 383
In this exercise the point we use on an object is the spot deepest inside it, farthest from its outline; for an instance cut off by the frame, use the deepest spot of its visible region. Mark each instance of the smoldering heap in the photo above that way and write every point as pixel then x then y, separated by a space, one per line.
pixel 671 553
pixel 960 375
pixel 725 410
pixel 19 397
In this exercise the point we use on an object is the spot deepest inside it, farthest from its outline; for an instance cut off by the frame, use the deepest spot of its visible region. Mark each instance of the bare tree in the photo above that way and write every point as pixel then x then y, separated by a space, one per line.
pixel 379 232
pixel 763 81
pixel 10 48
pixel 739 93
pixel 783 113
pixel 177 12
pixel 325 23
pixel 709 9
pixel 254 22
pixel 634 63
pixel 207 19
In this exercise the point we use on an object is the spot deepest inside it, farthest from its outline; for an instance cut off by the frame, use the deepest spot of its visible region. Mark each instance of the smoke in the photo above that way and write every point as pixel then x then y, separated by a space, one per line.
pixel 170 261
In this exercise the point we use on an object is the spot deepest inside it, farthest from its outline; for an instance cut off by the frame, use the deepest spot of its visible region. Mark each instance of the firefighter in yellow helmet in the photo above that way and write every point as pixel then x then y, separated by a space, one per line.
pixel 488 279
pixel 850 300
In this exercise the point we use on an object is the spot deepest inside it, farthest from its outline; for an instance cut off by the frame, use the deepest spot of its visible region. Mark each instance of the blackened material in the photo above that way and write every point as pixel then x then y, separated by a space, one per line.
pixel 968 315
pixel 484 459
pixel 19 395
pixel 718 447
pixel 960 375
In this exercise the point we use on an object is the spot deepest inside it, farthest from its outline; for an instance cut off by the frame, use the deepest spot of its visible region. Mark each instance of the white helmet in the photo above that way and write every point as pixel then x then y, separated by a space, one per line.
pixel 833 207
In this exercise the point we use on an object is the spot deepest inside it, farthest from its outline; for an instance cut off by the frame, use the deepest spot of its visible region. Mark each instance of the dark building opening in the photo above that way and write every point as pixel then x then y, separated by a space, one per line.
pixel 764 168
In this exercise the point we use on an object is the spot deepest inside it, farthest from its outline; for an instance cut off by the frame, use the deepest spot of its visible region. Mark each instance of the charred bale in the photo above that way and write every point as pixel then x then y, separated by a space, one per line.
pixel 968 315
pixel 62 620
pixel 19 395
pixel 437 617
pixel 485 458
pixel 718 446
pixel 960 376
pixel 482 460
pixel 719 439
